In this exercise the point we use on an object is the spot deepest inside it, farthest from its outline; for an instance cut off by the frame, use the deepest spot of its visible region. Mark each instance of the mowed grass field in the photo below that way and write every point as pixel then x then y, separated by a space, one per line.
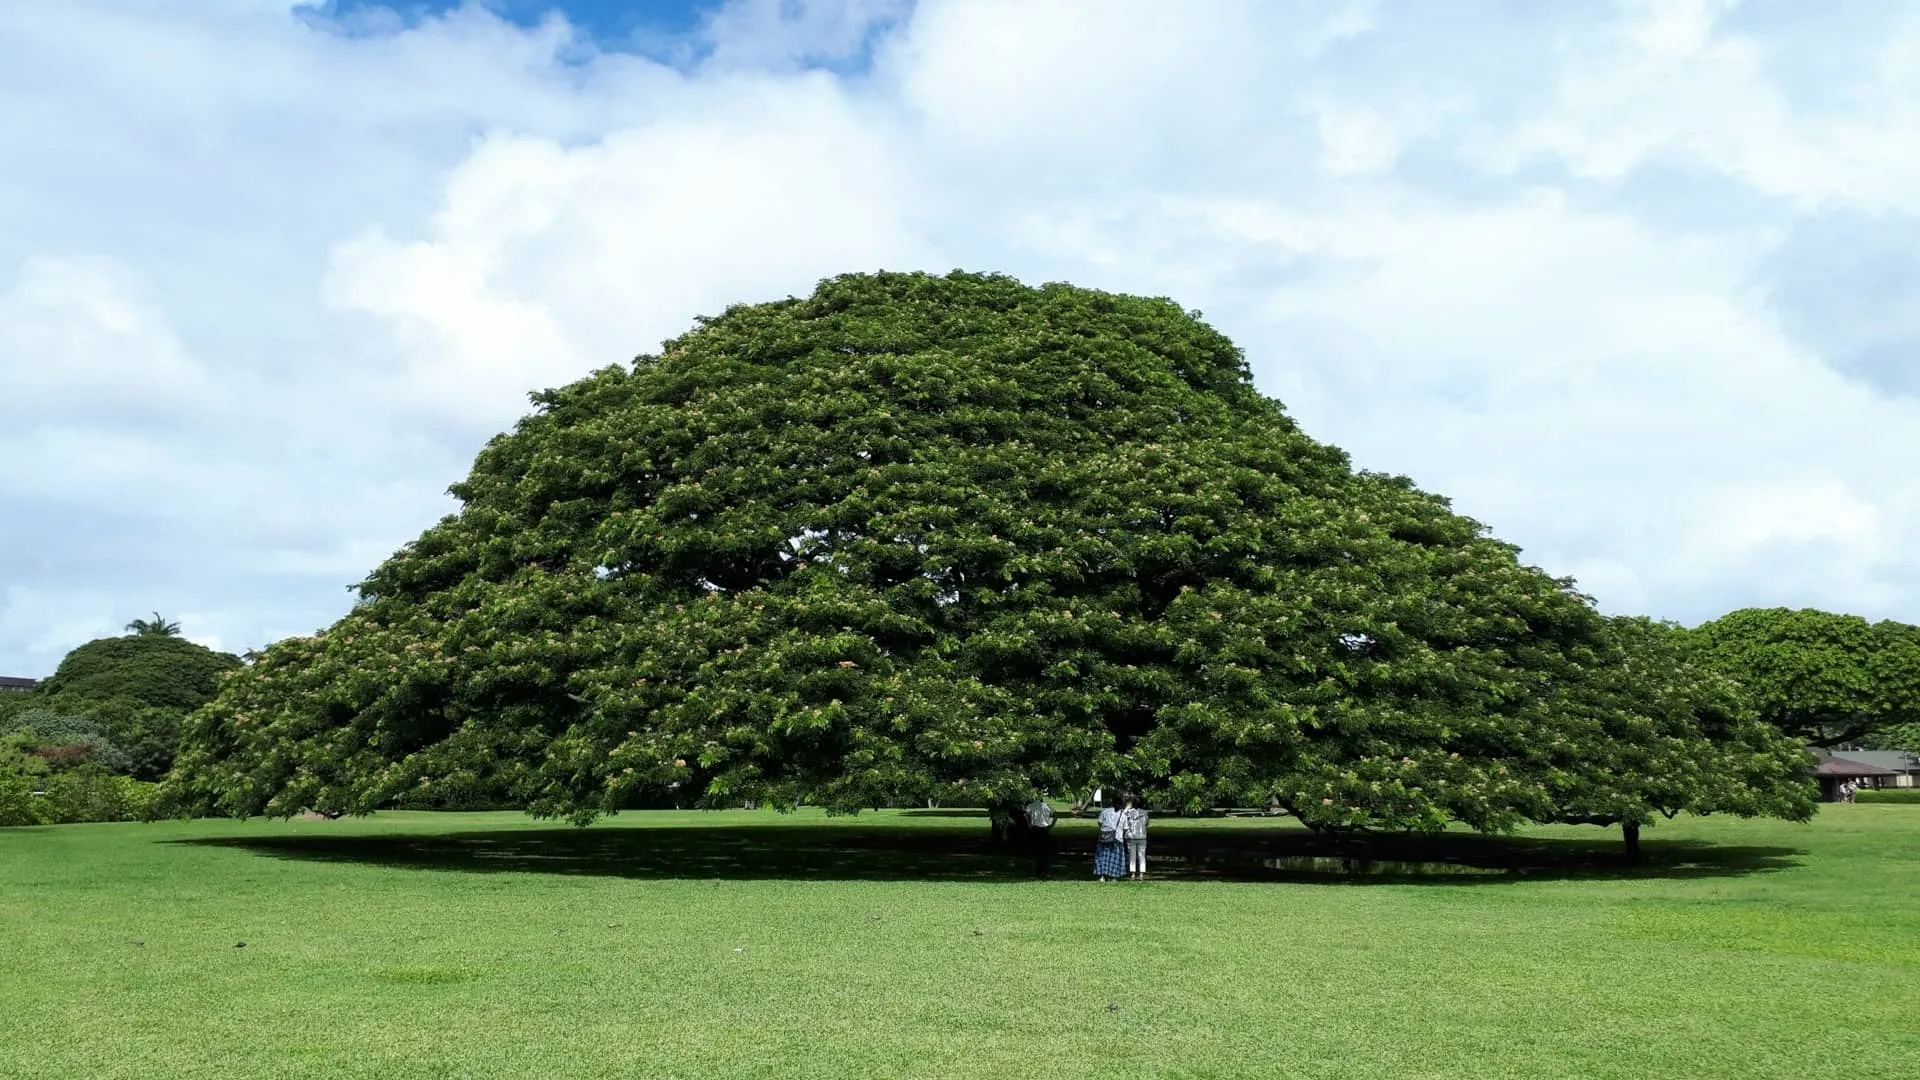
pixel 897 945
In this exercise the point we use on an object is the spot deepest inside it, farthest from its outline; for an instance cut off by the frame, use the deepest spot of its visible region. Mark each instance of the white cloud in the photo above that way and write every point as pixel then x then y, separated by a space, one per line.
pixel 265 288
pixel 42 622
pixel 1813 511
pixel 544 261
pixel 1672 80
pixel 1354 141
pixel 84 329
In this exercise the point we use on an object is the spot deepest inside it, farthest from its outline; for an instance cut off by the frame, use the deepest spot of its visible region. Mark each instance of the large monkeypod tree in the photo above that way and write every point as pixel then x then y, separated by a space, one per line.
pixel 953 538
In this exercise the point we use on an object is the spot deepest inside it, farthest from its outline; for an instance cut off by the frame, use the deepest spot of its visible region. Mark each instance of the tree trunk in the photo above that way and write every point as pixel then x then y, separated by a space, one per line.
pixel 1630 831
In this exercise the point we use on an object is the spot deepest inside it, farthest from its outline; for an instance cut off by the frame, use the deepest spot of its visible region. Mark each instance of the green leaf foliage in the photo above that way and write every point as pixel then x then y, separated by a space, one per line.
pixel 1895 737
pixel 154 670
pixel 1649 731
pixel 60 741
pixel 949 538
pixel 137 690
pixel 14 701
pixel 1821 678
pixel 87 793
pixel 17 757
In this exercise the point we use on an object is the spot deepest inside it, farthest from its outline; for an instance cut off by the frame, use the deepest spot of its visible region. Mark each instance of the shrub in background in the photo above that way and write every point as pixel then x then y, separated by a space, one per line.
pixel 86 793
pixel 63 741
pixel 18 803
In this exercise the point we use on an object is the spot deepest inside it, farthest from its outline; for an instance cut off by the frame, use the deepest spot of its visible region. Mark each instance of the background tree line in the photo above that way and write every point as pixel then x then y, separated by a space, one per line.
pixel 89 743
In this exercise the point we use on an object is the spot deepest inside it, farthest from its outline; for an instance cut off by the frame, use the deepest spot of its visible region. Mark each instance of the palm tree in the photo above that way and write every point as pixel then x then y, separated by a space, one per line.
pixel 154 627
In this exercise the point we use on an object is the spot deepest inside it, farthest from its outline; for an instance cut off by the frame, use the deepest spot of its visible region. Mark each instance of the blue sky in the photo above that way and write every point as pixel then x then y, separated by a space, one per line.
pixel 606 20
pixel 648 27
pixel 1635 283
pixel 676 32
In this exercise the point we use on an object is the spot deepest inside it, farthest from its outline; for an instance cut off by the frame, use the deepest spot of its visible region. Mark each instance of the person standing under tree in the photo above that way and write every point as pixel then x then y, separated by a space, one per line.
pixel 1133 832
pixel 1109 853
pixel 1040 834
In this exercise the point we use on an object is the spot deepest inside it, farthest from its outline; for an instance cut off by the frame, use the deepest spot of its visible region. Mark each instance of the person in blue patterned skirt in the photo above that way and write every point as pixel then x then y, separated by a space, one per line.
pixel 1109 851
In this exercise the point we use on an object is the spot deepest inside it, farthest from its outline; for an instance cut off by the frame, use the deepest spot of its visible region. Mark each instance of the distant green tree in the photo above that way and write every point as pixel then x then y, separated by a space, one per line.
pixel 137 690
pixel 950 538
pixel 154 627
pixel 1648 733
pixel 1819 677
pixel 146 734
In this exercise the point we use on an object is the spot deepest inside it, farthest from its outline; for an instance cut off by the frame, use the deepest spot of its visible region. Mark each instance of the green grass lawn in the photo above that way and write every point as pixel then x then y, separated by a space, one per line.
pixel 897 945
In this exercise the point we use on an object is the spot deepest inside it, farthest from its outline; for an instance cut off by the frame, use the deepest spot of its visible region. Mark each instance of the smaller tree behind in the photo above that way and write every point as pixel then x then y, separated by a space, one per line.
pixel 1644 733
pixel 137 689
pixel 1819 677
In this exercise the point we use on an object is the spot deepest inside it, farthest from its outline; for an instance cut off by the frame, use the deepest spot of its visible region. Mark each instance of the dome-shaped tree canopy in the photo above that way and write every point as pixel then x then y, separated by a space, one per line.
pixel 138 689
pixel 147 669
pixel 953 538
pixel 1820 677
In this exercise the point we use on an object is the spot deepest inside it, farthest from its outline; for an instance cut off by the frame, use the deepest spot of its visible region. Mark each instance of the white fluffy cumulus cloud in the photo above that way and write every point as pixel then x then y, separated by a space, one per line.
pixel 543 261
pixel 1631 282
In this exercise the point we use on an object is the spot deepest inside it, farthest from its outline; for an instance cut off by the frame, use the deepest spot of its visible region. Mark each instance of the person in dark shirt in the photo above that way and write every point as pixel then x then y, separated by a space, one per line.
pixel 1040 835
pixel 1133 833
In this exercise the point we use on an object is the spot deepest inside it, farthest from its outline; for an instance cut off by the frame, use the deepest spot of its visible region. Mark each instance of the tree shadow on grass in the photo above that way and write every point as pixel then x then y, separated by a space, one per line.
pixel 883 852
